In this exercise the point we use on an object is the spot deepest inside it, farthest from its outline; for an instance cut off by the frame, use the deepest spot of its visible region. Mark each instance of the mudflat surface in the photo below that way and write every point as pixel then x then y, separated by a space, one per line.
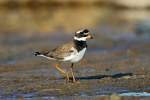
pixel 103 71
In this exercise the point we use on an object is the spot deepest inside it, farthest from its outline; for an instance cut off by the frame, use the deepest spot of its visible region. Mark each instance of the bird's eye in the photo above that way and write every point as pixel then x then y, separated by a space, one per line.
pixel 81 32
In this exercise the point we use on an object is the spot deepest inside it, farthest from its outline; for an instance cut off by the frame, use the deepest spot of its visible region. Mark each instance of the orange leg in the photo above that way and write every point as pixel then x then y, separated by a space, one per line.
pixel 73 77
pixel 65 74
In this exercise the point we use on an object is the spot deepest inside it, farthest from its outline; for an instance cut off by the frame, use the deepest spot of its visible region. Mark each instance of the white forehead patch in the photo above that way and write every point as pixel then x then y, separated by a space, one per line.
pixel 79 31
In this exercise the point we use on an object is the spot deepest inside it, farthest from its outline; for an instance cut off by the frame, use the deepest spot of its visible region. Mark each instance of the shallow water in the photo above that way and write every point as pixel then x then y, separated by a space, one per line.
pixel 135 94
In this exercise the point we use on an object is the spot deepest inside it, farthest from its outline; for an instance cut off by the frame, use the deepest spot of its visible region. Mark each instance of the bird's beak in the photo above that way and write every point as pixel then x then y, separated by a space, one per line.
pixel 89 37
pixel 92 37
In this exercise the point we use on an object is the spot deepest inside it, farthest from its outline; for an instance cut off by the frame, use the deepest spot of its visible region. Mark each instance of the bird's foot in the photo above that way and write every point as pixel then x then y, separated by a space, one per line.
pixel 71 80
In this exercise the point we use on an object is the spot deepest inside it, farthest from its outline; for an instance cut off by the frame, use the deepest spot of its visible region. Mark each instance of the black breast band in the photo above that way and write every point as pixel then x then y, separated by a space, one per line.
pixel 80 45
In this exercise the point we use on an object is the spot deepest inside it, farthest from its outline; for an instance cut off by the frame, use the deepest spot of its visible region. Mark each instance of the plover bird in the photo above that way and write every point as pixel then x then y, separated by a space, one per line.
pixel 71 52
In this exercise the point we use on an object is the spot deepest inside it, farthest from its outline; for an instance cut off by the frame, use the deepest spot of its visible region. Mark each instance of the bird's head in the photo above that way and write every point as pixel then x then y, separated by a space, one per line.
pixel 83 35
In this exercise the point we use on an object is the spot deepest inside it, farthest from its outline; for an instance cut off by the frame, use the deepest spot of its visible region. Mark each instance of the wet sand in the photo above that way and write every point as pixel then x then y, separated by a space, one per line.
pixel 103 73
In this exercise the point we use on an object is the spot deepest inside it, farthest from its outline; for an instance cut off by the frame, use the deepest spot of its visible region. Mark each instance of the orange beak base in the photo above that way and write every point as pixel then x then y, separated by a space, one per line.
pixel 89 37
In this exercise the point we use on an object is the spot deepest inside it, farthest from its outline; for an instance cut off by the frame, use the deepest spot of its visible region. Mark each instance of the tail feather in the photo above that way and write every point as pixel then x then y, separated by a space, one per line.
pixel 44 55
pixel 37 53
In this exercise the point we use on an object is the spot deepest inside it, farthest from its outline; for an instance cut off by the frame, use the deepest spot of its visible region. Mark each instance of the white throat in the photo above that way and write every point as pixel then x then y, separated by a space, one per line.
pixel 80 39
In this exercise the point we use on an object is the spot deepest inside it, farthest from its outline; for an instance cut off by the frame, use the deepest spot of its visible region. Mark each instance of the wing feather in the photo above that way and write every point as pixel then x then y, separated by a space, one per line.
pixel 61 51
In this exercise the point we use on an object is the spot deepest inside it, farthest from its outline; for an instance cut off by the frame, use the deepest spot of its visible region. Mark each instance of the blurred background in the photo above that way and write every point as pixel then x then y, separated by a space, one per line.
pixel 121 29
pixel 25 24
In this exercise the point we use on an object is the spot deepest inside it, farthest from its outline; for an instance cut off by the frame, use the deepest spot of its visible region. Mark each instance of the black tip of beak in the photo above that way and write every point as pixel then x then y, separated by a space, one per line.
pixel 92 37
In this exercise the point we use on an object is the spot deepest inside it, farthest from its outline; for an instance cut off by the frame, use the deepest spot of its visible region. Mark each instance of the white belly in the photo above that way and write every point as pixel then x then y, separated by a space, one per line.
pixel 76 56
